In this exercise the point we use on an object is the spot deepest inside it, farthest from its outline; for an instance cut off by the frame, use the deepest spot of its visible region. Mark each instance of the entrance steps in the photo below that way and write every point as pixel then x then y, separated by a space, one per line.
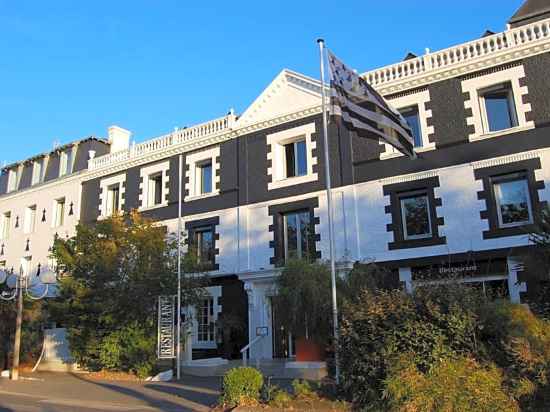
pixel 274 368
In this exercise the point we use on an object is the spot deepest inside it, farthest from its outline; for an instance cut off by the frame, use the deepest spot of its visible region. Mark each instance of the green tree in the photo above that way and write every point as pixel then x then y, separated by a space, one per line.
pixel 112 275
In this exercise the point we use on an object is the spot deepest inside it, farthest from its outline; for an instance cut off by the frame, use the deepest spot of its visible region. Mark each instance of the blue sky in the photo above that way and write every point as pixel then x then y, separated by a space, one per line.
pixel 70 69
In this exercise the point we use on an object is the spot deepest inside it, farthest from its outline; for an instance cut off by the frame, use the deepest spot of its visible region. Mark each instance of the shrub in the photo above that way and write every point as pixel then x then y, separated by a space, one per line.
pixel 379 326
pixel 130 349
pixel 452 385
pixel 241 387
pixel 280 399
pixel 302 389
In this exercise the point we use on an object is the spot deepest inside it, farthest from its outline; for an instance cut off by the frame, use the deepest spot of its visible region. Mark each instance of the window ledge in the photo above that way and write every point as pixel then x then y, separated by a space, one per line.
pixel 291 181
pixel 147 208
pixel 503 132
pixel 427 148
pixel 203 196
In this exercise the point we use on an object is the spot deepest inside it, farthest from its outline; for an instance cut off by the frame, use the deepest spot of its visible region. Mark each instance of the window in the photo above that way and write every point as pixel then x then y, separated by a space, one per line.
pixel 298 239
pixel 65 162
pixel 6 225
pixel 498 108
pixel 59 213
pixel 154 191
pixel 415 215
pixel 36 172
pixel 113 199
pixel 413 120
pixel 203 175
pixel 513 202
pixel 26 265
pixel 203 241
pixel 30 219
pixel 206 321
pixel 295 158
pixel 12 180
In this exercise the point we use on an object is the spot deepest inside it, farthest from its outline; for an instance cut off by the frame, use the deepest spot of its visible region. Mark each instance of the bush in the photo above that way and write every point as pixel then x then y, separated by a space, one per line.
pixel 130 349
pixel 241 387
pixel 280 399
pixel 303 390
pixel 452 385
pixel 380 326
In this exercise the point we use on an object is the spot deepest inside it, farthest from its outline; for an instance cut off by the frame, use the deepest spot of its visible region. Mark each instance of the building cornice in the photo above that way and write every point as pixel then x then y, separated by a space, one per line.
pixel 44 186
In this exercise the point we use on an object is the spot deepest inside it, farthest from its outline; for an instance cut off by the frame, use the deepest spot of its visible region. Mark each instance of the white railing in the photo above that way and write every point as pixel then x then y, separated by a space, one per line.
pixel 244 351
pixel 459 54
pixel 161 143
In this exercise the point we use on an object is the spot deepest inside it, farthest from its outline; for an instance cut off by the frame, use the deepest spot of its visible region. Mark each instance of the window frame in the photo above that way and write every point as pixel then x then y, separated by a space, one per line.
pixel 200 230
pixel 512 177
pixel 416 109
pixel 29 226
pixel 37 172
pixel 110 208
pixel 296 164
pixel 155 182
pixel 409 195
pixel 59 218
pixel 193 162
pixel 6 226
pixel 200 166
pixel 13 177
pixel 504 87
pixel 299 252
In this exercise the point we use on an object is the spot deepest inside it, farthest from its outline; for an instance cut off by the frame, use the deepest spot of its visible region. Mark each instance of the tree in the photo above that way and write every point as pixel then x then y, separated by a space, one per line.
pixel 112 275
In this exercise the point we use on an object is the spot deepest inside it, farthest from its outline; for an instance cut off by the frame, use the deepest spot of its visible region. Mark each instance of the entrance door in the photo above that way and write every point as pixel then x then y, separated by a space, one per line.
pixel 283 341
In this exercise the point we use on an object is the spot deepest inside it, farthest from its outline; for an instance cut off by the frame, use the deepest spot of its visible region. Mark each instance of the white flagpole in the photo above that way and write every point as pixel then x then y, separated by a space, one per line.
pixel 178 350
pixel 330 213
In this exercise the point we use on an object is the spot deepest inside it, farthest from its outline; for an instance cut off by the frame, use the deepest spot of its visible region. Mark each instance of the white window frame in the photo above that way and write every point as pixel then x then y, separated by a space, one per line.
pixel 199 167
pixel 215 293
pixel 29 225
pixel 37 167
pixel 104 185
pixel 419 100
pixel 58 219
pixel 505 87
pixel 193 160
pixel 277 141
pixel 12 180
pixel 409 195
pixel 146 173
pixel 6 223
pixel 503 179
pixel 476 85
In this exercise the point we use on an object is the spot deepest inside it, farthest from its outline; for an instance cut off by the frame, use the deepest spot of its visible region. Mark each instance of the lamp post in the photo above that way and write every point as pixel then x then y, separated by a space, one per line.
pixel 19 285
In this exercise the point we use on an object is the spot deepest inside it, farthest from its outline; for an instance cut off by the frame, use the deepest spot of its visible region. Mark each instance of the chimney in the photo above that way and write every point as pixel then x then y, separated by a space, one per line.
pixel 119 139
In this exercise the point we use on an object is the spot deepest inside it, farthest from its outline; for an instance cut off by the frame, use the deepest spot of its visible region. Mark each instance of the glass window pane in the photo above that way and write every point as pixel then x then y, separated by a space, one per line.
pixel 416 216
pixel 513 201
pixel 290 160
pixel 301 158
pixel 498 109
pixel 305 235
pixel 291 235
pixel 413 120
pixel 206 178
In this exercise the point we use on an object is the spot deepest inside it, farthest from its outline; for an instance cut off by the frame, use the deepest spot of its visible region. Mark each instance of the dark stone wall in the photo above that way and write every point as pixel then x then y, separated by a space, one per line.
pixel 538 83
pixel 81 158
pixel 448 113
pixel 89 210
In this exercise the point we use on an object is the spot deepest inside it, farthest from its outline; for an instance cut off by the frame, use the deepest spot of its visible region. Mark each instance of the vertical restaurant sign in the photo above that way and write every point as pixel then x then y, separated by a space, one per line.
pixel 166 347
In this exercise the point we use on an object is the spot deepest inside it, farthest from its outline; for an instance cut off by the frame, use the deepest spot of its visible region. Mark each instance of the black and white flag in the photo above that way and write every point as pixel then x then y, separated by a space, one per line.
pixel 364 111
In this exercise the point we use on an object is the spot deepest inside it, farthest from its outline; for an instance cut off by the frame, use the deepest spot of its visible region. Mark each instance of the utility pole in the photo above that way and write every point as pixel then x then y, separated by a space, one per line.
pixel 18 323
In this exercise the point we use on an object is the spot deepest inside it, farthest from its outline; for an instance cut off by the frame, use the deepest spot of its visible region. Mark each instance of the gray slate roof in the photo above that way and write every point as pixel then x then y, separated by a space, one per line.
pixel 531 10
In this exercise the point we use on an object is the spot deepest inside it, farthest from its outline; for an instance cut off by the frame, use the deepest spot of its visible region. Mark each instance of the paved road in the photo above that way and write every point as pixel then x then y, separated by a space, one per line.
pixel 55 392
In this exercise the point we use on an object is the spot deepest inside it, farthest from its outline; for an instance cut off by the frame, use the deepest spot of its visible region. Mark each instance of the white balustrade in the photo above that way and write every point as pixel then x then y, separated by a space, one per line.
pixel 459 54
pixel 179 136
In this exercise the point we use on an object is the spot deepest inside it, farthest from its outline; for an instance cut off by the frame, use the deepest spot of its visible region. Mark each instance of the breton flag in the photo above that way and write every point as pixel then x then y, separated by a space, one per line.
pixel 364 111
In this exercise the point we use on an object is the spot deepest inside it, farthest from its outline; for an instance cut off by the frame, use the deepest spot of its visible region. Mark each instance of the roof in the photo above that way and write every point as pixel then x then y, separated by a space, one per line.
pixel 531 9
pixel 57 149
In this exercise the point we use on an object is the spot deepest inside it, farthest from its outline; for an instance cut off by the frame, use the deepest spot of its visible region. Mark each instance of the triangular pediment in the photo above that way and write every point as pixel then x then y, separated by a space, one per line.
pixel 288 92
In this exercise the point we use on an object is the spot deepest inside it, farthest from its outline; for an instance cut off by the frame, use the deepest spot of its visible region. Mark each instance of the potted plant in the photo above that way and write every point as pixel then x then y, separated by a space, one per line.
pixel 303 306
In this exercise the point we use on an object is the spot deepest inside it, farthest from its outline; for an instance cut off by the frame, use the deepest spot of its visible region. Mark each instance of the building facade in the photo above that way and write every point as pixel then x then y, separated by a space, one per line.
pixel 253 185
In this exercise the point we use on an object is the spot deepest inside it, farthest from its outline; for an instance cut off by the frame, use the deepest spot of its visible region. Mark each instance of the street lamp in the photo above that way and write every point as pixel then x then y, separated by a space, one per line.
pixel 17 283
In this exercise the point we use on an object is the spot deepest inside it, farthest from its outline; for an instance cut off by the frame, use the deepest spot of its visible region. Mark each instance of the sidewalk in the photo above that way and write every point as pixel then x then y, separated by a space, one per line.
pixel 190 394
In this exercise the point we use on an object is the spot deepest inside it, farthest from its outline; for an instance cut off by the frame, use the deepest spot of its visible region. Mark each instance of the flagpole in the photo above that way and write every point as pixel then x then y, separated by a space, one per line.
pixel 330 213
pixel 178 350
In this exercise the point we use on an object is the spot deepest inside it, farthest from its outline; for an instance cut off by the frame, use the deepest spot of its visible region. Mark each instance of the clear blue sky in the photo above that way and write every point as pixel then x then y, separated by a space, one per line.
pixel 70 69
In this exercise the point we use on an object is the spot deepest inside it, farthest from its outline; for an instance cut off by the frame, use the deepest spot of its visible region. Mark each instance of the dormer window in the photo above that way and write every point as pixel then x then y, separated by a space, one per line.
pixel 37 172
pixel 65 162
pixel 12 180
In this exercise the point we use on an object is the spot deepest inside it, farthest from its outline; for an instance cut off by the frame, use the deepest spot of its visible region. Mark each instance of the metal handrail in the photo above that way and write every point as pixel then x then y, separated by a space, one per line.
pixel 245 350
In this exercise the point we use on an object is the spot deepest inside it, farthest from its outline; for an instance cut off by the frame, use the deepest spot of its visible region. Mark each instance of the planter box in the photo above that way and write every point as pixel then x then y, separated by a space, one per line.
pixel 308 350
